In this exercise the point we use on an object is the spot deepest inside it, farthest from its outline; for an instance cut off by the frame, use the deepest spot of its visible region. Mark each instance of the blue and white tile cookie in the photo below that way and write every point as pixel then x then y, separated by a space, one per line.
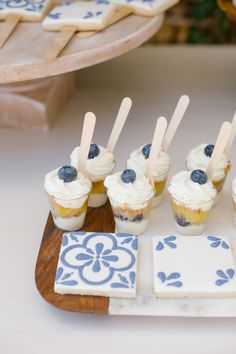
pixel 193 266
pixel 143 7
pixel 28 10
pixel 93 263
pixel 85 15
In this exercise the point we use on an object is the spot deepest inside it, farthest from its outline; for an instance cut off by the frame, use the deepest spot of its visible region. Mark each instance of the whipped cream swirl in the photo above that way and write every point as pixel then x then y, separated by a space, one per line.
pixel 184 190
pixel 138 162
pixel 57 188
pixel 98 166
pixel 197 159
pixel 135 194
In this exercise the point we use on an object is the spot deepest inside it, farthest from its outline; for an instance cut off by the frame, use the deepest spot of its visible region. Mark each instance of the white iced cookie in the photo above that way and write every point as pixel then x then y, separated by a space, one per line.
pixel 85 15
pixel 199 158
pixel 145 7
pixel 193 188
pixel 100 161
pixel 138 162
pixel 192 266
pixel 33 10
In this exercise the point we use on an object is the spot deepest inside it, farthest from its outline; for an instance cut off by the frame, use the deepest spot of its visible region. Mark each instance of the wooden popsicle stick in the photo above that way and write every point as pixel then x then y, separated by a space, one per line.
pixel 60 42
pixel 119 14
pixel 86 138
pixel 7 27
pixel 156 147
pixel 175 121
pixel 119 123
pixel 222 139
pixel 232 136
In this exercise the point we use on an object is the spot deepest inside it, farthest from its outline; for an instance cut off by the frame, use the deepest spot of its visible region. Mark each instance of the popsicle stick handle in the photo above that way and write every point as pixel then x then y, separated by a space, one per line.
pixel 222 139
pixel 86 138
pixel 232 136
pixel 7 27
pixel 156 146
pixel 60 42
pixel 119 123
pixel 175 121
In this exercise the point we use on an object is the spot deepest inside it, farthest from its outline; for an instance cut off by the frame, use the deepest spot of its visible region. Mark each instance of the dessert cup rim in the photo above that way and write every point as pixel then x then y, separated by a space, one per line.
pixel 190 203
pixel 131 204
pixel 67 199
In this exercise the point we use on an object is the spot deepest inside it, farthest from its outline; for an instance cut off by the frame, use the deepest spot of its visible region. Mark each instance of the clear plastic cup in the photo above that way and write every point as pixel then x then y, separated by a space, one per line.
pixel 131 218
pixel 189 218
pixel 98 195
pixel 159 183
pixel 234 205
pixel 69 214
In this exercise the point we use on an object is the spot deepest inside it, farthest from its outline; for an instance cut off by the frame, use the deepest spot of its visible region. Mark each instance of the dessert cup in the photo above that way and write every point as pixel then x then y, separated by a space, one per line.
pixel 190 218
pixel 159 184
pixel 130 217
pixel 68 214
pixel 98 195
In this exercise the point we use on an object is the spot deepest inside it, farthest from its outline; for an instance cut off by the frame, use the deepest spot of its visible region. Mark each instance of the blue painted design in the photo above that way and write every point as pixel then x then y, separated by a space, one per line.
pixel 128 238
pixel 124 282
pixel 63 279
pixel 167 279
pixel 27 5
pixel 91 14
pixel 217 242
pixel 167 241
pixel 224 276
pixel 55 16
pixel 98 253
pixel 104 2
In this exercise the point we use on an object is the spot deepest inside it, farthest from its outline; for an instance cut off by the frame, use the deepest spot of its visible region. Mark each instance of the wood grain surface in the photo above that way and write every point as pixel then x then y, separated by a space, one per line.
pixel 97 219
pixel 21 56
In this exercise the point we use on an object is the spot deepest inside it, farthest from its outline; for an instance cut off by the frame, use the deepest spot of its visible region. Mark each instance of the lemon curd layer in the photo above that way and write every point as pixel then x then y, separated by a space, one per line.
pixel 193 216
pixel 63 212
pixel 98 187
pixel 159 187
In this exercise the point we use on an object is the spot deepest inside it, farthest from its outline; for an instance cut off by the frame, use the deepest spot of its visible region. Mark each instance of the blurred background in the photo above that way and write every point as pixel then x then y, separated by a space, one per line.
pixel 199 22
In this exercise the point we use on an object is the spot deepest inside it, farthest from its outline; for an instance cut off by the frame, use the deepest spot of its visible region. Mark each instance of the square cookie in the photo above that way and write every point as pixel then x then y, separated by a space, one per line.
pixel 96 263
pixel 193 266
pixel 85 15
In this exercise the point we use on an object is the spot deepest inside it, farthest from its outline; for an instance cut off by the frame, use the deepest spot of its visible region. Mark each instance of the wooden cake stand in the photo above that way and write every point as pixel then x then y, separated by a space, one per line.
pixel 21 60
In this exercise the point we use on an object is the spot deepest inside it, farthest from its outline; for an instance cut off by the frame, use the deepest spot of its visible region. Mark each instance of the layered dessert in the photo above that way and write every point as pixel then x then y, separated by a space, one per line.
pixel 68 192
pixel 131 198
pixel 138 161
pixel 192 197
pixel 199 158
pixel 100 164
pixel 234 198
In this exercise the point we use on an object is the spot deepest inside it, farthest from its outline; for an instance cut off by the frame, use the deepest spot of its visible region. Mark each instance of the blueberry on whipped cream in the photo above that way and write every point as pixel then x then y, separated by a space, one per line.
pixel 209 150
pixel 67 173
pixel 199 176
pixel 128 176
pixel 93 151
pixel 146 150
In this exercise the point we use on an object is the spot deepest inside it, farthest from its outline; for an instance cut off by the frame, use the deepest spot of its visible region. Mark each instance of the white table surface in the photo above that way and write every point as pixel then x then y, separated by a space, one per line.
pixel 154 78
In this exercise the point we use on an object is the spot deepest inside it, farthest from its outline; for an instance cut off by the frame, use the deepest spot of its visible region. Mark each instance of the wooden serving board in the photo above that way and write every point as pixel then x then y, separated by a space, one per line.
pixel 97 219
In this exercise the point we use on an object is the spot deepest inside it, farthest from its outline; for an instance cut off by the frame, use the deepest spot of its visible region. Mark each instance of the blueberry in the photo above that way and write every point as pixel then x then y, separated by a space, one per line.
pixel 67 173
pixel 138 217
pixel 93 151
pixel 209 150
pixel 181 220
pixel 146 150
pixel 128 176
pixel 199 176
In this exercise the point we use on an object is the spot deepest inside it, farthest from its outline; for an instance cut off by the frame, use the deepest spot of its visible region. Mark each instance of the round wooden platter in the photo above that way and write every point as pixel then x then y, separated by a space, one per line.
pixel 21 57
pixel 97 219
